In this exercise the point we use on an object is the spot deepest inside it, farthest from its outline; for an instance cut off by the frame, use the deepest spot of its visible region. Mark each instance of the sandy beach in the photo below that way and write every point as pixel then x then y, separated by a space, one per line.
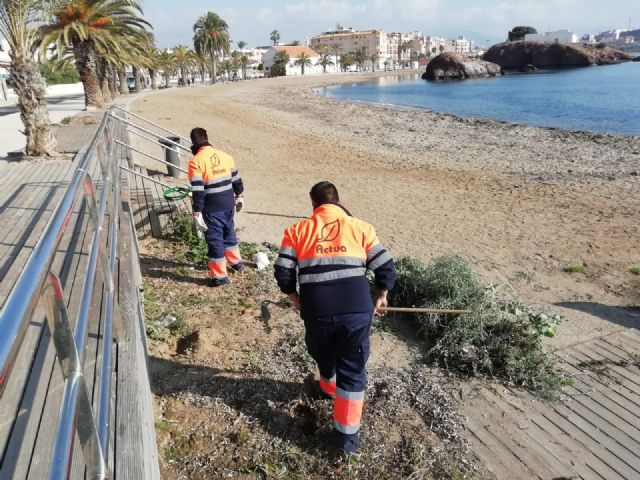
pixel 520 203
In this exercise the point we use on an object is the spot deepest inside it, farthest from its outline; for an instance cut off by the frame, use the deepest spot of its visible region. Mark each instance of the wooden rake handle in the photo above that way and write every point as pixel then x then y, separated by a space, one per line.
pixel 423 310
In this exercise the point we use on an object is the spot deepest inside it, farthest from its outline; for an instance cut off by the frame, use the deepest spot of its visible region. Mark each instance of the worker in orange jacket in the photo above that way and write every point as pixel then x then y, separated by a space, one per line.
pixel 327 256
pixel 216 186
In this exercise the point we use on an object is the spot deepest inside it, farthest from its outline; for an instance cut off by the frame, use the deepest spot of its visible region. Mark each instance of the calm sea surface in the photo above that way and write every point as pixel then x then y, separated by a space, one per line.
pixel 597 99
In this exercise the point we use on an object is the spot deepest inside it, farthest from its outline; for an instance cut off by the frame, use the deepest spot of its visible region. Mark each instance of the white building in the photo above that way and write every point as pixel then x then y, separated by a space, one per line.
pixel 4 56
pixel 347 40
pixel 559 36
pixel 611 35
pixel 294 52
pixel 462 45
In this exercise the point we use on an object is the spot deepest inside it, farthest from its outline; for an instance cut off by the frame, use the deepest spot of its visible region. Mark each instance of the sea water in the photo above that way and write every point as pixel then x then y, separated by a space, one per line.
pixel 603 99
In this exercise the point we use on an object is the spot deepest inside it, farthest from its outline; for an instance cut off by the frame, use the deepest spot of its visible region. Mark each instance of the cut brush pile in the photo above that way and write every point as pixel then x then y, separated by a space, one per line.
pixel 500 338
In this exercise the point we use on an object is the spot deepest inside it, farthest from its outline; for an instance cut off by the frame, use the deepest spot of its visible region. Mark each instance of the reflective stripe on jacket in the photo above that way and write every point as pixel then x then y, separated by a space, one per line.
pixel 215 181
pixel 328 256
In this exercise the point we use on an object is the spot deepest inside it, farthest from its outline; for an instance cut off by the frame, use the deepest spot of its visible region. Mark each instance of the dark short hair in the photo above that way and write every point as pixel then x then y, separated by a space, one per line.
pixel 324 192
pixel 199 136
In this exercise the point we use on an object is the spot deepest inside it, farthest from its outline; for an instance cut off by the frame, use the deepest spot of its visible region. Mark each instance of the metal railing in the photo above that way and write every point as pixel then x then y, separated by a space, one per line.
pixel 38 283
pixel 156 138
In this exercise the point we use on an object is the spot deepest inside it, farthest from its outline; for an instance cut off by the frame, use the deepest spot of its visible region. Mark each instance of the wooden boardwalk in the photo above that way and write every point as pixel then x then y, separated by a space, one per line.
pixel 593 432
pixel 29 408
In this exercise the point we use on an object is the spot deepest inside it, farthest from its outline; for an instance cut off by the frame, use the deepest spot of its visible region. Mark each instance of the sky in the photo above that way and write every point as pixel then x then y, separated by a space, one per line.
pixel 482 20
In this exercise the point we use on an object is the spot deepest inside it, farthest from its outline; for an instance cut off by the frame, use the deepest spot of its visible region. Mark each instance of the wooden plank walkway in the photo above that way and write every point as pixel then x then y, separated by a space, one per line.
pixel 29 192
pixel 592 432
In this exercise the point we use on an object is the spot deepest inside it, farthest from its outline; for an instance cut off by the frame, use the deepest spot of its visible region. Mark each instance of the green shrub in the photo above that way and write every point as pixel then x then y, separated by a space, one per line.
pixel 500 338
pixel 576 268
pixel 184 232
pixel 635 270
pixel 55 74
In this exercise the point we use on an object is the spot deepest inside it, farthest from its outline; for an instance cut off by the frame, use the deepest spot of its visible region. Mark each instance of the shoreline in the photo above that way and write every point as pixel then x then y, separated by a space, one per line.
pixel 481 120
pixel 520 203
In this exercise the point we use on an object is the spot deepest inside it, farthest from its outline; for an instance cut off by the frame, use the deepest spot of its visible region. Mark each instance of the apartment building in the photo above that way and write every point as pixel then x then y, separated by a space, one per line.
pixel 347 40
pixel 462 45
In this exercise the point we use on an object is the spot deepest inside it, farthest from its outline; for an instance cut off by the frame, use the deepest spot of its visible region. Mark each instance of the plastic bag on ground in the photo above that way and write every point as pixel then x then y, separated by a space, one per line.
pixel 261 259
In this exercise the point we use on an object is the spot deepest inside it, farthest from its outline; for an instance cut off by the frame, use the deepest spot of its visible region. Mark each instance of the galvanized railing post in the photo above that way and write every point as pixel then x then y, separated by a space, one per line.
pixel 75 410
pixel 97 218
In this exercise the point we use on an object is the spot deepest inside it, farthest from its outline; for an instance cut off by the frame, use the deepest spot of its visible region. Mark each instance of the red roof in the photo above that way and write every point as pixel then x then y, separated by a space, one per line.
pixel 295 51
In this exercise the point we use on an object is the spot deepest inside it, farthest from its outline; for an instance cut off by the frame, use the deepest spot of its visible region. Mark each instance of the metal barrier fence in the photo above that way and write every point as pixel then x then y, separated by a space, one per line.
pixel 39 284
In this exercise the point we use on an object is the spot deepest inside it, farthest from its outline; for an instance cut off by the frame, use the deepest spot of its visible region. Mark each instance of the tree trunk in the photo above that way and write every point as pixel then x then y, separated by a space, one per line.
pixel 112 82
pixel 31 90
pixel 202 72
pixel 154 83
pixel 136 77
pixel 87 68
pixel 124 88
pixel 104 80
pixel 213 68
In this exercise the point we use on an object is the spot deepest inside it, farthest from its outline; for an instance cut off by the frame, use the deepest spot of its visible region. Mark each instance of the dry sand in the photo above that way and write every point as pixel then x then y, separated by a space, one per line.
pixel 521 203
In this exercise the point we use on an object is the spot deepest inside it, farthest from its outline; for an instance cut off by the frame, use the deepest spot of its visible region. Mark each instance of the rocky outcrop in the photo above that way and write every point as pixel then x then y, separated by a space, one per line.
pixel 451 65
pixel 520 55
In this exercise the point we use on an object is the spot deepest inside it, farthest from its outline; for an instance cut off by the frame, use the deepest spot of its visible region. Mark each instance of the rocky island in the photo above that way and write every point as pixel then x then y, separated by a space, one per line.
pixel 449 66
pixel 523 55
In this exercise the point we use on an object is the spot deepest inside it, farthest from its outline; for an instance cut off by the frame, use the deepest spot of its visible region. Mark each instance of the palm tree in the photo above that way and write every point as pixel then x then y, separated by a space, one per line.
pixel 325 61
pixel 235 62
pixel 200 61
pixel 18 20
pixel 182 57
pixel 280 63
pixel 167 65
pixel 335 49
pixel 402 49
pixel 153 64
pixel 360 55
pixel 227 67
pixel 241 44
pixel 303 61
pixel 244 62
pixel 346 60
pixel 93 28
pixel 374 59
pixel 211 36
pixel 275 37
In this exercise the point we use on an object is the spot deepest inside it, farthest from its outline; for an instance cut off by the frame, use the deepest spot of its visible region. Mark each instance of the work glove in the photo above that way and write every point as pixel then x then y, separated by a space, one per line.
pixel 199 221
pixel 239 203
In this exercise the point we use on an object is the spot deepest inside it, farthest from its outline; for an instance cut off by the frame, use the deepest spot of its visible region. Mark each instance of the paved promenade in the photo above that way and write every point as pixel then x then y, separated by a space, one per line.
pixel 11 138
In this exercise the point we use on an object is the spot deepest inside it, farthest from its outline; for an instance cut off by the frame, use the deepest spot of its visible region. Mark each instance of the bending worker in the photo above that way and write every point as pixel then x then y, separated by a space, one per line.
pixel 216 186
pixel 328 255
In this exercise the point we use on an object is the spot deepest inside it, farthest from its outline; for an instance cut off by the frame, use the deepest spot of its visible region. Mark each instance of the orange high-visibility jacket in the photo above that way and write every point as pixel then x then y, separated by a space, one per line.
pixel 215 180
pixel 328 256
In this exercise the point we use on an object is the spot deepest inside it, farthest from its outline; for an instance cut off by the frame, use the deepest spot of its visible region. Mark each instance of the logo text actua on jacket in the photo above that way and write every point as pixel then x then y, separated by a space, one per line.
pixel 332 249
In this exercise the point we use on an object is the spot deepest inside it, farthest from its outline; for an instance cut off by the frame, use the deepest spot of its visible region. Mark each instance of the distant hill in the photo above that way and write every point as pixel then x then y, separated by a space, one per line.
pixel 633 33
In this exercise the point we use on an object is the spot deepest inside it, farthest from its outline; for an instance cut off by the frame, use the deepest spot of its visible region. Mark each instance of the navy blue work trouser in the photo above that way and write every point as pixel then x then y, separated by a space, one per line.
pixel 222 242
pixel 340 346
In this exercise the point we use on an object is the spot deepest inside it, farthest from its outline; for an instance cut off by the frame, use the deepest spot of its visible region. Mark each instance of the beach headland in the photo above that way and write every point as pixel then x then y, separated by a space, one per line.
pixel 521 203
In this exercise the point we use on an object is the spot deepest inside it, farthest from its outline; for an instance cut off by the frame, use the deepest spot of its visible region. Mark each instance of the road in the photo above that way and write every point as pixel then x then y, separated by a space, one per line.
pixel 11 138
